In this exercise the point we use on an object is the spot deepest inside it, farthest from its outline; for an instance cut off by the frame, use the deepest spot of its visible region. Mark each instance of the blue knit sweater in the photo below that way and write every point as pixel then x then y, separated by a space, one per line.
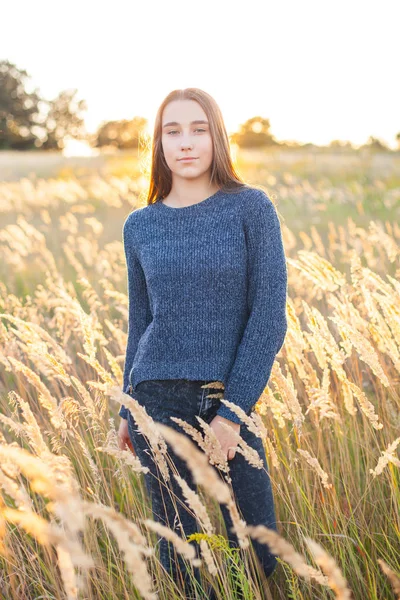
pixel 207 287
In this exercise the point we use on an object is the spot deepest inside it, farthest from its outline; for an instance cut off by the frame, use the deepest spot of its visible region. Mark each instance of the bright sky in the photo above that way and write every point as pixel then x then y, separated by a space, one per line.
pixel 318 70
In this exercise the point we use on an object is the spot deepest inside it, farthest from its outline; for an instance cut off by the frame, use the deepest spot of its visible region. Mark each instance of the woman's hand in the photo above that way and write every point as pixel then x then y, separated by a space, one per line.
pixel 123 436
pixel 225 437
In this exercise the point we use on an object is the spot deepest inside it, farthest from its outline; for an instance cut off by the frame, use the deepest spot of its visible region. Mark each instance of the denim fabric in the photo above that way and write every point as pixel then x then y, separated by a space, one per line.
pixel 185 399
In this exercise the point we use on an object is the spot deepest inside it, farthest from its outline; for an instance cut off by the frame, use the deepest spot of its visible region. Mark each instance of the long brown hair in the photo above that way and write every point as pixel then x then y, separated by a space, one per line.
pixel 223 172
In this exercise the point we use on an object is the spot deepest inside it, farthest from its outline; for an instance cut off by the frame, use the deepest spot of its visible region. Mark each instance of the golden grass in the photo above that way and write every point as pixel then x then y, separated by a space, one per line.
pixel 74 518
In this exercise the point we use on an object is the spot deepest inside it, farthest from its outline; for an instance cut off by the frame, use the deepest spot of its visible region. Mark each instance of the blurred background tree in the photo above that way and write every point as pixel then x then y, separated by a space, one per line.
pixel 255 132
pixel 121 134
pixel 28 121
pixel 64 120
pixel 19 109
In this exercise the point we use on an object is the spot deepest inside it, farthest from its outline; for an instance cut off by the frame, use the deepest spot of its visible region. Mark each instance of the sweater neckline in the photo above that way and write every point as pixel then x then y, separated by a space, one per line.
pixel 191 207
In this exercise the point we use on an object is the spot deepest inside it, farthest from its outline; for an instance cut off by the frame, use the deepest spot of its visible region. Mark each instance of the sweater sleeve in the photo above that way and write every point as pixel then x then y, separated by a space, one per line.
pixel 139 312
pixel 266 326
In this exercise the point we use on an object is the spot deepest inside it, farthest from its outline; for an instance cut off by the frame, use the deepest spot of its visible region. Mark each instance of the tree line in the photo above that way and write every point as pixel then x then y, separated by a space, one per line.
pixel 30 122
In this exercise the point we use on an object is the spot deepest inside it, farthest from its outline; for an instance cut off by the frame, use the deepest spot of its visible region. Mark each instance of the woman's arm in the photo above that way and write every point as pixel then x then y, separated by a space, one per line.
pixel 266 327
pixel 139 313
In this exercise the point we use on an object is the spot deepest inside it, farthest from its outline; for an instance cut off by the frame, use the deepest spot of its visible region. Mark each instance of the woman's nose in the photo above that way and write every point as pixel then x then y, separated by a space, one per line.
pixel 186 142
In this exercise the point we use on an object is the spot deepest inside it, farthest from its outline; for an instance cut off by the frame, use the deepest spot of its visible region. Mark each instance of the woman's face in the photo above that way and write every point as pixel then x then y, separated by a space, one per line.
pixel 186 133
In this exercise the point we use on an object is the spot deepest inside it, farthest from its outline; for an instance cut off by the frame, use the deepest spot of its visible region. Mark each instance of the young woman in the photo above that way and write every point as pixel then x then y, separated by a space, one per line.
pixel 207 286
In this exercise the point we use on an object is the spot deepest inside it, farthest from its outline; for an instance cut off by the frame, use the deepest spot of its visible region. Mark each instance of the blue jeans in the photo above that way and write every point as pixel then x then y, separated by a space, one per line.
pixel 164 398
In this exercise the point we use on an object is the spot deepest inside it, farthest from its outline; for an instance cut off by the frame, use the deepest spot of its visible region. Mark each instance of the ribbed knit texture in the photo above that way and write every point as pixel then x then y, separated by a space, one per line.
pixel 207 289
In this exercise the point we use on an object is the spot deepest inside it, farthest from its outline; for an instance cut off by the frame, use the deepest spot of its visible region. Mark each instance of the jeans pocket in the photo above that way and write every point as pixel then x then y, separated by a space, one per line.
pixel 208 406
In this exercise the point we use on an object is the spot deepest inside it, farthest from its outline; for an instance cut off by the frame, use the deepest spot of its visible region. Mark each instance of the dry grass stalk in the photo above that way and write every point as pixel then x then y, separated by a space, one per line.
pixel 318 270
pixel 313 462
pixel 196 505
pixel 69 550
pixel 336 581
pixel 130 541
pixel 348 397
pixel 279 546
pixel 366 406
pixel 208 557
pixel 111 447
pixel 285 387
pixel 181 546
pixel 364 348
pixel 242 448
pixel 209 444
pixel 387 456
pixel 392 576
pixel 204 474
pixel 17 492
pixel 89 406
pixel 326 348
pixel 36 341
pixel 52 476
pixel 146 426
pixel 45 398
pixel 321 400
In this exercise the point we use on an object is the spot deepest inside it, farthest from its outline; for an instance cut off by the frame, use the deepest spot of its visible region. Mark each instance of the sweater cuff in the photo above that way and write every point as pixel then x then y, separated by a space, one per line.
pixel 226 412
pixel 246 387
pixel 123 412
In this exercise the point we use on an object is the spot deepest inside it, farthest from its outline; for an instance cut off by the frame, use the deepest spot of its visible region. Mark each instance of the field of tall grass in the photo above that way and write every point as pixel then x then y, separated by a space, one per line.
pixel 74 516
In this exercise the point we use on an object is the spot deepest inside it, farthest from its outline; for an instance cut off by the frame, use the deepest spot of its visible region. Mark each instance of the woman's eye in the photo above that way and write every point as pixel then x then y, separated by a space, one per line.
pixel 175 131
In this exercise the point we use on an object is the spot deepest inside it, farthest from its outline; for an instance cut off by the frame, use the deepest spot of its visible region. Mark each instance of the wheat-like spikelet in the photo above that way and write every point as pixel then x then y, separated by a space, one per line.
pixel 279 409
pixel 318 243
pixel 209 444
pixel 318 270
pixel 130 541
pixel 45 398
pixel 378 236
pixel 324 340
pixel 391 319
pixel 52 476
pixel 30 429
pixel 204 474
pixel 366 406
pixel 242 448
pixel 281 547
pixel 348 396
pixel 34 336
pixel 387 456
pixel 97 476
pixel 364 348
pixel 256 426
pixel 111 447
pixel 384 329
pixel 90 294
pixel 208 557
pixel 69 549
pixel 336 581
pixel 196 505
pixel 321 399
pixel 288 392
pixel 392 576
pixel 295 343
pixel 183 547
pixel 88 405
pixel 146 426
pixel 11 488
pixel 13 426
pixel 313 462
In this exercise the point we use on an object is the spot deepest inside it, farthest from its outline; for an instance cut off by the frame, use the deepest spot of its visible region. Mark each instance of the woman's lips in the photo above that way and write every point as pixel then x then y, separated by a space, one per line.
pixel 187 159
